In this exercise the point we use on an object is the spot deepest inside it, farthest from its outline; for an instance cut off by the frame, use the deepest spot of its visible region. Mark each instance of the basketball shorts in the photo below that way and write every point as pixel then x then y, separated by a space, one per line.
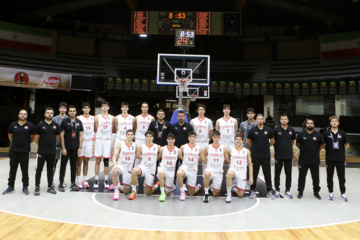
pixel 169 178
pixel 102 148
pixel 216 178
pixel 240 178
pixel 87 149
pixel 191 177
pixel 149 176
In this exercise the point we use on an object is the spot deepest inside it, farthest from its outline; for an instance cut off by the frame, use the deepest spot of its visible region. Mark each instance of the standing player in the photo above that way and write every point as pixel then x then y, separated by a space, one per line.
pixel 88 123
pixel 192 153
pixel 123 122
pixel 169 155
pixel 21 134
pixel 309 142
pixel 148 153
pixel 240 161
pixel 284 142
pixel 141 126
pixel 336 142
pixel 123 160
pixel 216 155
pixel 258 140
pixel 228 127
pixel 46 134
pixel 203 128
pixel 104 123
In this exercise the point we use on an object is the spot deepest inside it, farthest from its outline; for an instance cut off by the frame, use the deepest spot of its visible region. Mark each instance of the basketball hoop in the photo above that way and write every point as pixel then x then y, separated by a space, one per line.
pixel 193 97
pixel 183 84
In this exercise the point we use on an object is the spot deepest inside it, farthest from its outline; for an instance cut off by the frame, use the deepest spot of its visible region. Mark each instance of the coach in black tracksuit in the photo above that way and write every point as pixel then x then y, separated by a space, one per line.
pixel 336 142
pixel 309 142
pixel 21 134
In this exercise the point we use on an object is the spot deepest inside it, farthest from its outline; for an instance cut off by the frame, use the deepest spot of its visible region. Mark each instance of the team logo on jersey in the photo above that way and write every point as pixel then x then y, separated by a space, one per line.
pixel 314 138
pixel 220 149
pixel 256 133
pixel 54 127
pixel 184 128
pixel 15 126
pixel 195 149
pixel 175 152
pixel 339 136
pixel 279 133
pixel 265 132
pixel 290 133
pixel 77 124
pixel 26 127
pixel 165 127
pixel 132 148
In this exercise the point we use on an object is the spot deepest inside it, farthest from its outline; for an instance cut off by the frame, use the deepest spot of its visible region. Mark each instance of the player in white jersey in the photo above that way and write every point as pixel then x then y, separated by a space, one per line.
pixel 123 160
pixel 123 122
pixel 228 127
pixel 88 123
pixel 104 124
pixel 203 128
pixel 192 154
pixel 141 126
pixel 169 155
pixel 240 160
pixel 148 153
pixel 216 154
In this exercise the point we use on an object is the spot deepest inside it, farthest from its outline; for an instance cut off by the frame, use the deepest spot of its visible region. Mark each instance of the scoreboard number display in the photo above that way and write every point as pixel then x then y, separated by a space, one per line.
pixel 184 38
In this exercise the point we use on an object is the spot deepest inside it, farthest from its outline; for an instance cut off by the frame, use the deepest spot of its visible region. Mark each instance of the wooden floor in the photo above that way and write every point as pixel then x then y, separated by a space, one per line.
pixel 18 227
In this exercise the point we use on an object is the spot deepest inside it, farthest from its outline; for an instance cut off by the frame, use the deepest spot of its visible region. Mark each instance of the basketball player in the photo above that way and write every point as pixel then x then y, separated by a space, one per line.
pixel 169 155
pixel 141 126
pixel 123 122
pixel 192 154
pixel 123 160
pixel 88 122
pixel 228 127
pixel 216 154
pixel 148 153
pixel 104 123
pixel 203 128
pixel 240 160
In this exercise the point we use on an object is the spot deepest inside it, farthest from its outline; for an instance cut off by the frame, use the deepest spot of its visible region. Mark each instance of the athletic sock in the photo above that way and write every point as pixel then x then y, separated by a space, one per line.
pixel 85 178
pixel 162 189
pixel 183 189
pixel 133 187
pixel 96 177
pixel 228 190
pixel 106 177
pixel 116 190
pixel 206 190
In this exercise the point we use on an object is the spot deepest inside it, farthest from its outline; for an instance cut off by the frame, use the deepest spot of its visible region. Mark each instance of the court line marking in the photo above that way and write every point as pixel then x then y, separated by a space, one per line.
pixel 163 216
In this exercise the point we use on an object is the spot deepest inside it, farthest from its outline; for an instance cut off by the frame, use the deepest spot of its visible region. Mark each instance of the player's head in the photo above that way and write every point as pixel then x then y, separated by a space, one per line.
pixel 72 111
pixel 284 119
pixel 250 113
pixel 238 139
pixel 149 136
pixel 144 107
pixel 201 109
pixel 216 136
pixel 226 109
pixel 49 113
pixel 170 138
pixel 181 116
pixel 334 121
pixel 192 136
pixel 160 114
pixel 63 107
pixel 105 106
pixel 260 119
pixel 85 107
pixel 23 114
pixel 310 124
pixel 124 107
pixel 129 134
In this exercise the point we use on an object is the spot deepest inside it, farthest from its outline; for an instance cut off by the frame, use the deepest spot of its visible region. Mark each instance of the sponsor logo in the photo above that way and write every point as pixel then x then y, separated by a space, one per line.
pixel 26 127
pixel 54 127
pixel 265 132
pixel 52 81
pixel 314 138
pixel 21 78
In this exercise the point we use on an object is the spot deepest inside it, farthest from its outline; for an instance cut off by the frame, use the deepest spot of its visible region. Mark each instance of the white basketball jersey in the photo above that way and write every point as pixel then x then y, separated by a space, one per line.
pixel 149 157
pixel 124 124
pixel 104 130
pixel 88 125
pixel 191 157
pixel 142 125
pixel 202 128
pixel 238 159
pixel 169 159
pixel 127 155
pixel 216 158
pixel 227 130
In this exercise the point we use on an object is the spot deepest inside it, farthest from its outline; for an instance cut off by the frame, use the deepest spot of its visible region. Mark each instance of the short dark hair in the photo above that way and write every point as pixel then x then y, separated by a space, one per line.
pixel 23 109
pixel 170 135
pixel 310 119
pixel 250 110
pixel 160 110
pixel 216 133
pixel 105 103
pixel 124 104
pixel 149 132
pixel 201 105
pixel 72 106
pixel 85 104
pixel 49 108
pixel 238 135
pixel 226 106
pixel 144 102
pixel 129 130
pixel 284 115
pixel 181 111
pixel 63 104
pixel 259 115
pixel 191 133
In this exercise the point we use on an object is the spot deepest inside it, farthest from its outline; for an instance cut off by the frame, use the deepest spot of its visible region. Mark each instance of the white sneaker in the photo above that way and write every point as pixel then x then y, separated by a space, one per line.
pixel 106 184
pixel 96 184
pixel 228 199
pixel 79 185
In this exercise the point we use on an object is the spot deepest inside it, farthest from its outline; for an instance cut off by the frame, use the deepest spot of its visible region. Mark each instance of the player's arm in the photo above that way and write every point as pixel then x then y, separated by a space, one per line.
pixel 206 152
pixel 116 154
pixel 292 142
pixel 251 180
pixel 153 119
pixel 272 141
pixel 36 138
pixel 180 156
pixel 229 154
pixel 80 141
pixel 202 156
pixel 32 137
pixel 113 124
pixel 160 152
pixel 241 132
pixel 217 125
pixel 96 124
pixel 62 140
pixel 346 145
pixel 248 142
pixel 236 126
pixel 139 153
pixel 135 125
pixel 226 155
pixel 10 136
pixel 116 124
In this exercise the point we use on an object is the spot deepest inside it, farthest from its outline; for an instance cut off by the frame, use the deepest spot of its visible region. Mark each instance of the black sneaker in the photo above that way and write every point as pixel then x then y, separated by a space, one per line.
pixel 37 191
pixel 61 188
pixel 73 187
pixel 25 190
pixel 316 194
pixel 300 195
pixel 51 190
pixel 206 198
pixel 8 190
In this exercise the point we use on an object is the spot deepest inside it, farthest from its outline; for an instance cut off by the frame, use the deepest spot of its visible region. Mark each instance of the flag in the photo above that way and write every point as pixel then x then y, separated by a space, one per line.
pixel 341 45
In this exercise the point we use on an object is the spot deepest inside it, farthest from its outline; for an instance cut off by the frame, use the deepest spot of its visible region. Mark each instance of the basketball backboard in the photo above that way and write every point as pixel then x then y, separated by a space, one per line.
pixel 195 67
pixel 202 92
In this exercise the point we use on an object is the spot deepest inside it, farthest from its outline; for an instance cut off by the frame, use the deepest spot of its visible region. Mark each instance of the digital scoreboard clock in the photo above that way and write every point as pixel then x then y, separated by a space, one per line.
pixel 184 38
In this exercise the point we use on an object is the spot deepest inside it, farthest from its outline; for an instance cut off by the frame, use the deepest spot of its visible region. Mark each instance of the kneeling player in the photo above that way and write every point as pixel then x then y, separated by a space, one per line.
pixel 148 153
pixel 126 149
pixel 189 168
pixel 240 159
pixel 166 171
pixel 216 155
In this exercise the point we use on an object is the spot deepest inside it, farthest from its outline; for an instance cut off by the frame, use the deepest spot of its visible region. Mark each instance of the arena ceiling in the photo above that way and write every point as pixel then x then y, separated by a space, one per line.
pixel 323 16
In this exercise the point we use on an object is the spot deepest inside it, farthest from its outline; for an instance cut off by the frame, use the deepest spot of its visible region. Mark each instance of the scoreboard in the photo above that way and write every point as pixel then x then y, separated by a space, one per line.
pixel 203 23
